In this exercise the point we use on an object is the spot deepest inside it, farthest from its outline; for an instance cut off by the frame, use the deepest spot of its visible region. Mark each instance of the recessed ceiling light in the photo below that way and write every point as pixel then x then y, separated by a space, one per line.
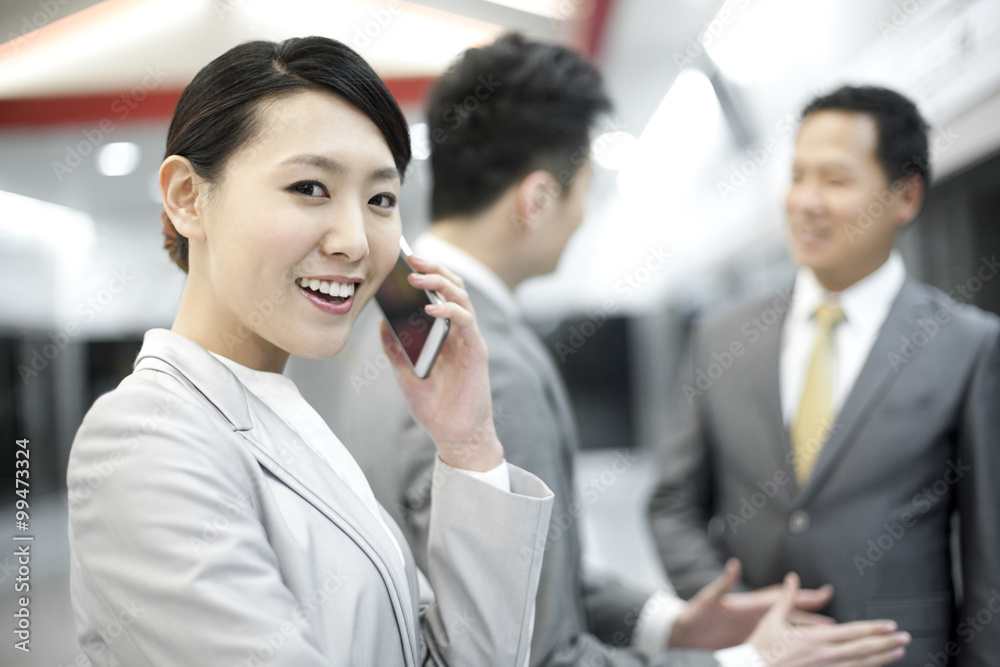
pixel 118 159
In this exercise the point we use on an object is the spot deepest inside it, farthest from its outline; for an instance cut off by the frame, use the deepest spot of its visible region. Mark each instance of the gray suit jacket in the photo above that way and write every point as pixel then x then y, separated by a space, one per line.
pixel 579 620
pixel 184 552
pixel 917 439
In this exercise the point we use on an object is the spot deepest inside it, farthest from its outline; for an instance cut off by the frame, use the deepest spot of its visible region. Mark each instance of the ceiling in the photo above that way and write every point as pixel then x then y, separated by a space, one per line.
pixel 87 59
pixel 88 62
pixel 82 47
pixel 54 162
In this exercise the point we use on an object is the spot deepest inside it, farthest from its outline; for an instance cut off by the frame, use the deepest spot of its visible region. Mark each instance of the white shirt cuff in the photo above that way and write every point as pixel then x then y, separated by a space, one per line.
pixel 743 655
pixel 498 477
pixel 656 621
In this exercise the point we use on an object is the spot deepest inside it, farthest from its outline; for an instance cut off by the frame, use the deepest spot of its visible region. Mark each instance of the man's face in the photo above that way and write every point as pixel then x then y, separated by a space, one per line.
pixel 843 215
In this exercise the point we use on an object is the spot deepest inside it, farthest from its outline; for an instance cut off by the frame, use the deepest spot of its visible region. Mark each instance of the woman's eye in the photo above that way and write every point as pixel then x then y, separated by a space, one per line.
pixel 385 201
pixel 310 189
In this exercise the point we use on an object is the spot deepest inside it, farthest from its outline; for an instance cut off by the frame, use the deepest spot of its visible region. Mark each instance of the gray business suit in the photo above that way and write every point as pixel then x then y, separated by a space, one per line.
pixel 203 531
pixel 917 437
pixel 579 620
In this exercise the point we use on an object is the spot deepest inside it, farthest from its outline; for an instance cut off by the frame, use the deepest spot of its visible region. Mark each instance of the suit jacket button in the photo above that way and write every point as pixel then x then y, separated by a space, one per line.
pixel 798 522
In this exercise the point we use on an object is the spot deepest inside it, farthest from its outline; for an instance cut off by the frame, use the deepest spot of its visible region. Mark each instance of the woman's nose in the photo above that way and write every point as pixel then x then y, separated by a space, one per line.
pixel 346 235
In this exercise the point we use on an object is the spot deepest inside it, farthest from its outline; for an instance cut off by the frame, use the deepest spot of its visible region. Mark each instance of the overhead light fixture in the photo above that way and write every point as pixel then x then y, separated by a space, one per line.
pixel 118 159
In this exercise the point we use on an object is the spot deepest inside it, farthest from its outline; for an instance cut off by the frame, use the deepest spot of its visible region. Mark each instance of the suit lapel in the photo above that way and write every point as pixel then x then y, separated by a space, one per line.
pixel 874 380
pixel 766 393
pixel 283 453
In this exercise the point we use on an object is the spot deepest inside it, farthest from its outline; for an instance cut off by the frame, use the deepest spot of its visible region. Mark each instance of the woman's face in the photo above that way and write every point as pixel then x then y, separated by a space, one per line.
pixel 299 232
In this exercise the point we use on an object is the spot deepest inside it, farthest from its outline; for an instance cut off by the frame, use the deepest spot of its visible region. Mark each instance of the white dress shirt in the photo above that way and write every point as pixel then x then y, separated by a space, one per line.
pixel 865 304
pixel 656 620
pixel 279 393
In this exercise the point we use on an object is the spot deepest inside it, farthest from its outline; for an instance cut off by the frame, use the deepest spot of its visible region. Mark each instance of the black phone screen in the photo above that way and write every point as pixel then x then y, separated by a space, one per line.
pixel 403 307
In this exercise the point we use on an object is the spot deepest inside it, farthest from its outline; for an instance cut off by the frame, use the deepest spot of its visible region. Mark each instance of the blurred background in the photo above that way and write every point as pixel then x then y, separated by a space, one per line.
pixel 691 166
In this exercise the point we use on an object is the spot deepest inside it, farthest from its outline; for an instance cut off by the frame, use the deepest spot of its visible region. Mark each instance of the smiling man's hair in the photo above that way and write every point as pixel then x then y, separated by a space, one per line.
pixel 902 131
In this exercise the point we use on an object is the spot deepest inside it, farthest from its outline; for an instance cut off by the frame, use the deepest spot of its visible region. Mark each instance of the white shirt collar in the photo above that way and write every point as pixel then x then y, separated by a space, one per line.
pixel 865 304
pixel 261 383
pixel 470 269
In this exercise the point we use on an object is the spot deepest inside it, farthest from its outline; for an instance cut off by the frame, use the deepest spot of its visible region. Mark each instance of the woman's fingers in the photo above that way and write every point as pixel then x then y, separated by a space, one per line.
pixel 443 285
pixel 424 265
pixel 457 306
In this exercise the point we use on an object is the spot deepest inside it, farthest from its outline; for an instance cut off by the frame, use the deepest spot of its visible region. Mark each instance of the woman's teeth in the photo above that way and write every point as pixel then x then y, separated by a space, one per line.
pixel 341 290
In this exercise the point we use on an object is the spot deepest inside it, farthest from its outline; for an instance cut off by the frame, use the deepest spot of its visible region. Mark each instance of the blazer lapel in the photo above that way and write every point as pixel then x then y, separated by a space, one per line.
pixel 874 380
pixel 766 394
pixel 301 470
pixel 282 452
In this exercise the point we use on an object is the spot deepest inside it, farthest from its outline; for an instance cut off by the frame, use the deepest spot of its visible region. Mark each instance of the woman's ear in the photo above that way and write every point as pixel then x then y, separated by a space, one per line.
pixel 181 187
pixel 534 196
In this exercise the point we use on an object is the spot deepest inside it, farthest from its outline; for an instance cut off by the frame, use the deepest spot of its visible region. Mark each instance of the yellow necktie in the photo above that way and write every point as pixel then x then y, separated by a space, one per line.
pixel 815 416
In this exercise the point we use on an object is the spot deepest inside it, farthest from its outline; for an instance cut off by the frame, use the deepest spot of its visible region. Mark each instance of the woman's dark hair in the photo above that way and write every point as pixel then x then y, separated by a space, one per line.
pixel 219 111
pixel 902 131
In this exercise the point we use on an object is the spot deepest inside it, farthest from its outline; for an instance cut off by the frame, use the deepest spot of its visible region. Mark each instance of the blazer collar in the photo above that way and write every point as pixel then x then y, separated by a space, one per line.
pixel 209 376
pixel 281 451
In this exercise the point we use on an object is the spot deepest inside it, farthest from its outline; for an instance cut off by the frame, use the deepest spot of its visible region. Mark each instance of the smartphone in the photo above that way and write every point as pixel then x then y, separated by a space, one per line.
pixel 419 334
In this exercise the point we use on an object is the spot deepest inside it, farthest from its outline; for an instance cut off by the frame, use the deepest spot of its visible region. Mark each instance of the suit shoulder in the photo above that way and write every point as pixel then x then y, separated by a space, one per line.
pixel 148 422
pixel 970 318
pixel 769 308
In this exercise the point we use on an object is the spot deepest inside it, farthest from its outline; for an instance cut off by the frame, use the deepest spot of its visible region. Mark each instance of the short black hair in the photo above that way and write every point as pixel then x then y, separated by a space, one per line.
pixel 220 111
pixel 902 131
pixel 504 110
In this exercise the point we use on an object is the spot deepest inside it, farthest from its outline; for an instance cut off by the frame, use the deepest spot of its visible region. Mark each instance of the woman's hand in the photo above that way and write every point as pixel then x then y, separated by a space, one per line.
pixel 453 402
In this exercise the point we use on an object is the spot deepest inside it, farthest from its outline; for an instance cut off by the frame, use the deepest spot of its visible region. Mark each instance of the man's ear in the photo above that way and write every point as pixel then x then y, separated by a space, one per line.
pixel 181 187
pixel 909 198
pixel 534 196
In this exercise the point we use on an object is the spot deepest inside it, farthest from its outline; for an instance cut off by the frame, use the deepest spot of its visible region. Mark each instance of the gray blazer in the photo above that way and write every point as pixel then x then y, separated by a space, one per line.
pixel 181 554
pixel 579 619
pixel 917 439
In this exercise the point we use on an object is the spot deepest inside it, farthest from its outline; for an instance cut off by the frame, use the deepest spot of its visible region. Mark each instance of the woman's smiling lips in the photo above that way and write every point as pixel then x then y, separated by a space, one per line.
pixel 331 294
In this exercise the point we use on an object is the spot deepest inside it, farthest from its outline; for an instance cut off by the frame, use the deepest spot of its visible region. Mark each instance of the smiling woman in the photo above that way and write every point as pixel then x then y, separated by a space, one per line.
pixel 207 489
